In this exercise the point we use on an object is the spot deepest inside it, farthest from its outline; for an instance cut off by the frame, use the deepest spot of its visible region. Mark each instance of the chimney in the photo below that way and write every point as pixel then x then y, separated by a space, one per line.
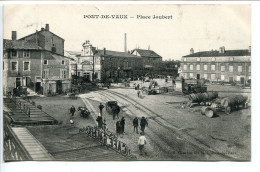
pixel 249 49
pixel 222 49
pixel 104 51
pixel 125 44
pixel 42 29
pixel 47 27
pixel 191 51
pixel 14 35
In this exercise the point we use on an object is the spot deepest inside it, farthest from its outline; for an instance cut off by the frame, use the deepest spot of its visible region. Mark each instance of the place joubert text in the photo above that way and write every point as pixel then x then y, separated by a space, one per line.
pixel 141 17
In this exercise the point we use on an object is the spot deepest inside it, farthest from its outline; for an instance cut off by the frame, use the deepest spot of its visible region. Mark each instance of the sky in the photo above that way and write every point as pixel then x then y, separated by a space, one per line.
pixel 201 27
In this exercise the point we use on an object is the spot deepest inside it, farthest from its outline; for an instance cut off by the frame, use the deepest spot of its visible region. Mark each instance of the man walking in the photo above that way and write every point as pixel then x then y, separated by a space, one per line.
pixel 72 110
pixel 138 93
pixel 141 143
pixel 143 123
pixel 100 121
pixel 118 128
pixel 101 107
pixel 122 123
pixel 135 124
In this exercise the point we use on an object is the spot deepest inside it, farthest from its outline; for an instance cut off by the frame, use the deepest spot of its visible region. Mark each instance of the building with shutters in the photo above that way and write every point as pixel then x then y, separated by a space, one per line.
pixel 222 65
pixel 36 62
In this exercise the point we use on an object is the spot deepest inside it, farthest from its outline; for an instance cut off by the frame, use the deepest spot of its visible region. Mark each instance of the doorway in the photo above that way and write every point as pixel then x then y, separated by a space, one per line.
pixel 198 76
pixel 242 80
pixel 59 86
pixel 38 87
pixel 17 82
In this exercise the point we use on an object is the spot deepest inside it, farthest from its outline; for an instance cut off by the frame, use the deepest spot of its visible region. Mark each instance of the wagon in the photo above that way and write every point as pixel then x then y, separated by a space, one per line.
pixel 112 107
pixel 233 103
pixel 84 112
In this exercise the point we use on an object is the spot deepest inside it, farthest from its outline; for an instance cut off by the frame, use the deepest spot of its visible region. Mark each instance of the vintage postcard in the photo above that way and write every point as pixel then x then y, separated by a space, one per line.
pixel 88 82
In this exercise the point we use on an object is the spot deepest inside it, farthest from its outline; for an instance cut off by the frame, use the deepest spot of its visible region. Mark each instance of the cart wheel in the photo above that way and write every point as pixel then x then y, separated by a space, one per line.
pixel 227 110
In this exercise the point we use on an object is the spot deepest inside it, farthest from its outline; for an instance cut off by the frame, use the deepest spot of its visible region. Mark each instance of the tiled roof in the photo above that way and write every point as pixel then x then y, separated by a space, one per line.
pixel 217 54
pixel 117 54
pixel 148 53
pixel 20 44
pixel 40 32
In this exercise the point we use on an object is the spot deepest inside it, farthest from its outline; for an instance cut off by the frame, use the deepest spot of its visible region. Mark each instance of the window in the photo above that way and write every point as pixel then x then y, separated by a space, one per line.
pixel 205 76
pixel 63 62
pixel 213 59
pixel 45 73
pixel 231 58
pixel 14 53
pixel 213 76
pixel 205 67
pixel 191 67
pixel 198 67
pixel 185 75
pixel 14 65
pixel 222 77
pixel 213 67
pixel 222 68
pixel 230 68
pixel 185 59
pixel 198 59
pixel 26 53
pixel 238 78
pixel 191 75
pixel 184 67
pixel 63 73
pixel 45 62
pixel 239 69
pixel 26 66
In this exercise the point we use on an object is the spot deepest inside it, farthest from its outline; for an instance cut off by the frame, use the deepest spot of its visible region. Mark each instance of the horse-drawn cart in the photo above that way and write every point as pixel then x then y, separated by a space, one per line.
pixel 84 112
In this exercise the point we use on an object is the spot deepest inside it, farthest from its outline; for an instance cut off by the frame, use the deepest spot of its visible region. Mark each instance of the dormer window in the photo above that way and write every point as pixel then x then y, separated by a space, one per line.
pixel 231 59
pixel 26 53
pixel 185 59
pixel 213 59
pixel 198 59
pixel 62 62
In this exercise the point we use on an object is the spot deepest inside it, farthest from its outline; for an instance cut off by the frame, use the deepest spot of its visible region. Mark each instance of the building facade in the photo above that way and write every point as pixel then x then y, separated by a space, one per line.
pixel 223 65
pixel 117 65
pixel 36 62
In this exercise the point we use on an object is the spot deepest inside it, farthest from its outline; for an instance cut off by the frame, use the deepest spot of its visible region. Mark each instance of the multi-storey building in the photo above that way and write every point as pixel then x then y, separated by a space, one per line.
pixel 119 65
pixel 37 62
pixel 223 65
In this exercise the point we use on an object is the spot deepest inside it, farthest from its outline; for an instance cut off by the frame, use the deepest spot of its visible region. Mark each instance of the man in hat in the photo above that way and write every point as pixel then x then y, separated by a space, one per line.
pixel 72 110
pixel 118 128
pixel 101 107
pixel 122 123
pixel 143 123
pixel 135 124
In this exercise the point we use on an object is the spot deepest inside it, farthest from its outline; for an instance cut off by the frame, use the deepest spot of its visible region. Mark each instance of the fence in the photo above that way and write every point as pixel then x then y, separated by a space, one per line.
pixel 108 139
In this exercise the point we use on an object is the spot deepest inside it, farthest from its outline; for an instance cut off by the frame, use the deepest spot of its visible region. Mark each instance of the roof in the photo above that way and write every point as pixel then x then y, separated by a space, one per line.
pixel 40 32
pixel 116 54
pixel 74 52
pixel 217 54
pixel 20 44
pixel 147 53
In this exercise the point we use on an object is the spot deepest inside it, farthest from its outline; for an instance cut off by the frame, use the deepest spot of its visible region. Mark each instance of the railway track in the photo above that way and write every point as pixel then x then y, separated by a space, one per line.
pixel 200 146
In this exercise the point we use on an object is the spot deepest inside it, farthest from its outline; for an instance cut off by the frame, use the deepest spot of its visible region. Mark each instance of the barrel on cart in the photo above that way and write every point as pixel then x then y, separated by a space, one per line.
pixel 203 97
pixel 233 103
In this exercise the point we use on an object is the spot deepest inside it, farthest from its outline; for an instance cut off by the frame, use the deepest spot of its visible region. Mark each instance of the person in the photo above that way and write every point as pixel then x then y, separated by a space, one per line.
pixel 138 86
pixel 115 111
pixel 72 110
pixel 101 107
pixel 141 143
pixel 138 93
pixel 99 120
pixel 135 124
pixel 122 123
pixel 143 123
pixel 118 128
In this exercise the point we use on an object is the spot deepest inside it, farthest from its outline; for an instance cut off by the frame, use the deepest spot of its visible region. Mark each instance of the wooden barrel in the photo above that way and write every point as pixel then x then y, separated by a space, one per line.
pixel 204 110
pixel 210 113
pixel 205 97
pixel 212 95
pixel 233 101
pixel 193 98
